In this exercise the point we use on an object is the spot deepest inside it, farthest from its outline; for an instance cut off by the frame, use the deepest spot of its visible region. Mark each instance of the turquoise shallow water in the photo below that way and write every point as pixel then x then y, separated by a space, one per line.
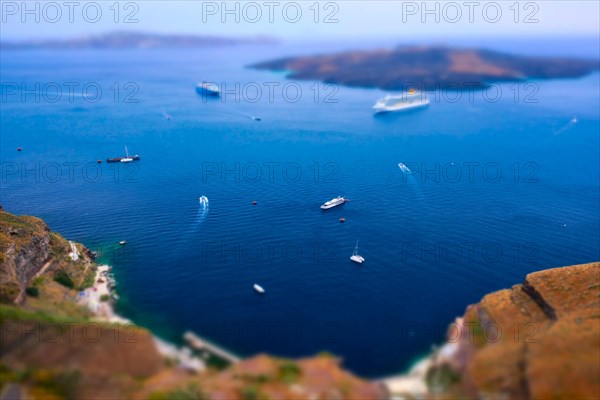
pixel 498 190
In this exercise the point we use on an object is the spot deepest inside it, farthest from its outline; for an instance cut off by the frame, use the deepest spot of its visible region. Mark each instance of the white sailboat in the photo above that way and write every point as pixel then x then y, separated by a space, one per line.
pixel 259 288
pixel 126 158
pixel 356 257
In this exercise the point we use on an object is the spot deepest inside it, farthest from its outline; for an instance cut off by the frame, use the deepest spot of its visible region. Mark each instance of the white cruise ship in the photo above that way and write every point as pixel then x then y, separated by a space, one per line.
pixel 333 203
pixel 405 101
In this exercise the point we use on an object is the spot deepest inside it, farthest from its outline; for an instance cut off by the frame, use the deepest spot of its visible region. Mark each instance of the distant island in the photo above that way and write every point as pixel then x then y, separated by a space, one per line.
pixel 426 67
pixel 127 40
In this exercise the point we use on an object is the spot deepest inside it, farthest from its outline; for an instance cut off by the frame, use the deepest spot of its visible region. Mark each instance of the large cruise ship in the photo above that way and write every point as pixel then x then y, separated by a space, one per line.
pixel 333 203
pixel 208 89
pixel 405 101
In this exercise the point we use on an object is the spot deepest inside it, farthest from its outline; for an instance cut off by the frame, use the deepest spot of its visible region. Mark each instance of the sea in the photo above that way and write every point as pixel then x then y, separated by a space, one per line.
pixel 497 184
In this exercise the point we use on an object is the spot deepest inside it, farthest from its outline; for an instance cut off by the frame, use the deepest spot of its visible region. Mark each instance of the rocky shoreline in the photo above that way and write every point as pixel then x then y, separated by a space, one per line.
pixel 100 298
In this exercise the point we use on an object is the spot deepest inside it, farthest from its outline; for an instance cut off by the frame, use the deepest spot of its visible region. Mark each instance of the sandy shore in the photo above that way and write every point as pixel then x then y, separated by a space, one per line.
pixel 92 297
pixel 411 385
pixel 104 311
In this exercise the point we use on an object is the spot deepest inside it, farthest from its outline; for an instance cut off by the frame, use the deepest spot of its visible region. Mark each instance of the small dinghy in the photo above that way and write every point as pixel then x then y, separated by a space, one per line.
pixel 259 288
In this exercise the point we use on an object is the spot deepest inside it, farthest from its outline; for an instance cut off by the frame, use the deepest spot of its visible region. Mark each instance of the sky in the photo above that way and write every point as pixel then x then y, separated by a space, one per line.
pixel 301 19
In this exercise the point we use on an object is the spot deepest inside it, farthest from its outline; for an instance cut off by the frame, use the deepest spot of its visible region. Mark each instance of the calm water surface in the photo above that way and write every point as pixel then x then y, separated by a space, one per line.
pixel 498 190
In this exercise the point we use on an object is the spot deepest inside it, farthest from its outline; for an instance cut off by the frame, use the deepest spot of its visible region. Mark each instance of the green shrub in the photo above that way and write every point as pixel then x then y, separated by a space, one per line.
pixel 157 396
pixel 88 280
pixel 289 372
pixel 191 392
pixel 64 279
pixel 261 378
pixel 57 245
pixel 441 378
pixel 9 292
pixel 104 297
pixel 32 291
pixel 250 393
pixel 38 281
pixel 64 383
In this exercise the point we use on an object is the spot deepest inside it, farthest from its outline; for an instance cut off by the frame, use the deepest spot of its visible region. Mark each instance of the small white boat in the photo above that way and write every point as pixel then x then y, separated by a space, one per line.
pixel 127 158
pixel 333 203
pixel 356 257
pixel 259 288
pixel 404 168
pixel 208 88
pixel 122 243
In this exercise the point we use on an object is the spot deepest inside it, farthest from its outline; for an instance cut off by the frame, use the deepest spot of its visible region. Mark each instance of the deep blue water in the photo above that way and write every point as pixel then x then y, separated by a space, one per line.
pixel 522 195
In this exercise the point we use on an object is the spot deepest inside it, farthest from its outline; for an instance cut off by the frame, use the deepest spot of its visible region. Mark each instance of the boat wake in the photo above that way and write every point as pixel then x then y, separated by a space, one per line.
pixel 166 115
pixel 202 211
pixel 252 117
pixel 200 217
pixel 229 110
pixel 409 178
pixel 188 235
pixel 566 127
pixel 255 118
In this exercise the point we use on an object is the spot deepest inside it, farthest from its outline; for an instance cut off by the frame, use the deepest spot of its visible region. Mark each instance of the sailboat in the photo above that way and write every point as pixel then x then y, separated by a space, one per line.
pixel 355 256
pixel 126 158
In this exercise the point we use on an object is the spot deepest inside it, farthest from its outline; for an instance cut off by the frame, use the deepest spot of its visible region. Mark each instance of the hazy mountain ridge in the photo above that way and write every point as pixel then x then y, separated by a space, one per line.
pixel 122 40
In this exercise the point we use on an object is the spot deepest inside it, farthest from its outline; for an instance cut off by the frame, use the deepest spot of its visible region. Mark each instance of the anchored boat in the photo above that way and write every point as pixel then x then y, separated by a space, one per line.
pixel 406 101
pixel 208 89
pixel 338 201
pixel 125 159
pixel 356 257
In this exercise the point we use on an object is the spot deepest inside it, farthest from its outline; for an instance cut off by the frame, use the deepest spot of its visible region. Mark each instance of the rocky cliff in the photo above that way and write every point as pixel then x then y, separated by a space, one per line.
pixel 539 340
pixel 29 249
pixel 25 248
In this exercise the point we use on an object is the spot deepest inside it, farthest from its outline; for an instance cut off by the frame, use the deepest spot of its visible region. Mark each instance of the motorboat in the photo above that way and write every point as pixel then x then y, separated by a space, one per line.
pixel 208 89
pixel 338 201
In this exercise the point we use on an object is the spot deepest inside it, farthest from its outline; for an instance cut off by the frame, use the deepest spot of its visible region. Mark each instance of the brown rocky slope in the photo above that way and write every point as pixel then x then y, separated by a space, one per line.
pixel 539 340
